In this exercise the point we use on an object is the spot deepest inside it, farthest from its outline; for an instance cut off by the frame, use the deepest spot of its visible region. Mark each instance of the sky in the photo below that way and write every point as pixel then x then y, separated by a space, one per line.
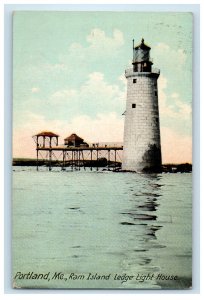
pixel 68 76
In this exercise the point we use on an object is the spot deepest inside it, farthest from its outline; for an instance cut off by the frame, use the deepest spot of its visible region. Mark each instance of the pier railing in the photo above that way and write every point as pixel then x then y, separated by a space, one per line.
pixel 95 155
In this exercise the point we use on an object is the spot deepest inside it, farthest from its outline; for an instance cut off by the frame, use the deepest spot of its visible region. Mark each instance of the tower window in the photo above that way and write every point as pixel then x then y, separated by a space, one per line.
pixel 155 93
pixel 133 105
pixel 134 81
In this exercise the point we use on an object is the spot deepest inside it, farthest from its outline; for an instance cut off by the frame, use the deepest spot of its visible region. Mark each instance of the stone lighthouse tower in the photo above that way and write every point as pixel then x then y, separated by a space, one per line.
pixel 142 149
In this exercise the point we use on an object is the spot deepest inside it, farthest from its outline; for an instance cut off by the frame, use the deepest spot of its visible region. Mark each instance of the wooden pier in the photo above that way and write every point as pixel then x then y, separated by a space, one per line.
pixel 78 157
pixel 75 153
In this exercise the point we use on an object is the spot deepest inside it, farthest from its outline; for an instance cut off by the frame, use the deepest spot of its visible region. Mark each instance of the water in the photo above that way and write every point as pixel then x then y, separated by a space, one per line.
pixel 104 223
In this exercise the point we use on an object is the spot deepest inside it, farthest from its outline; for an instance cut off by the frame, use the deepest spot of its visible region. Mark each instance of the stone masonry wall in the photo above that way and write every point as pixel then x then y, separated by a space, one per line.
pixel 142 131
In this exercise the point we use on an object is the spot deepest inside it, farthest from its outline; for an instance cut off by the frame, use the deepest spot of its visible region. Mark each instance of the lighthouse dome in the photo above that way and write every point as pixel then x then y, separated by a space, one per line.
pixel 141 52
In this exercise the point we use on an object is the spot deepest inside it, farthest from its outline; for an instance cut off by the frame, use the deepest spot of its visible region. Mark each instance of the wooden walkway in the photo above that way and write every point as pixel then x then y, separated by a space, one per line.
pixel 77 157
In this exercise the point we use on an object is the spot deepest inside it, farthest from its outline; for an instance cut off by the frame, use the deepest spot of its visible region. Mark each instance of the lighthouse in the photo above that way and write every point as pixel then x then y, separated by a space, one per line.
pixel 142 147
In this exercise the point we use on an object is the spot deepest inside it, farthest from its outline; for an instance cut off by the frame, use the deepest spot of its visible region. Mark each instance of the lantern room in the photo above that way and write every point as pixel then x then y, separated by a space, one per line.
pixel 141 58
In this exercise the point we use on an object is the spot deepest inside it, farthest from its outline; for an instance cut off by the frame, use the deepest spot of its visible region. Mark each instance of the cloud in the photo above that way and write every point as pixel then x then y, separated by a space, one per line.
pixel 162 84
pixel 174 66
pixel 100 42
pixel 123 80
pixel 162 47
pixel 35 90
pixel 23 144
pixel 174 95
pixel 174 57
pixel 58 79
pixel 183 108
pixel 101 128
pixel 99 48
pixel 95 96
pixel 175 122
pixel 176 148
pixel 63 95
pixel 177 109
pixel 55 67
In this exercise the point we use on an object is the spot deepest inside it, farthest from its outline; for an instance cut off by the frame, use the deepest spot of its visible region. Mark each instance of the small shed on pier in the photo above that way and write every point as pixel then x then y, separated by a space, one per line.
pixel 74 140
